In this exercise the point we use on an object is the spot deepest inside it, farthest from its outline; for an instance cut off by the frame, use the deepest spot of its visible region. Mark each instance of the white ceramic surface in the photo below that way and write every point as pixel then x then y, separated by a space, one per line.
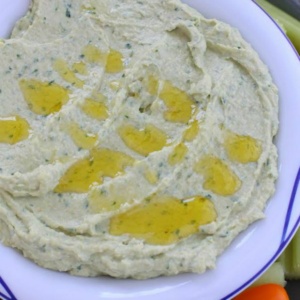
pixel 254 250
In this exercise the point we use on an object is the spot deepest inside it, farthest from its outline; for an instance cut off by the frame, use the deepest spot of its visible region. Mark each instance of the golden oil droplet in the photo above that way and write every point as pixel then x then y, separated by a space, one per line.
pixel 179 104
pixel 79 177
pixel 94 55
pixel 80 68
pixel 178 154
pixel 164 220
pixel 151 176
pixel 13 130
pixel 144 141
pixel 81 138
pixel 242 149
pixel 218 177
pixel 62 68
pixel 91 170
pixel 114 63
pixel 95 109
pixel 191 132
pixel 43 98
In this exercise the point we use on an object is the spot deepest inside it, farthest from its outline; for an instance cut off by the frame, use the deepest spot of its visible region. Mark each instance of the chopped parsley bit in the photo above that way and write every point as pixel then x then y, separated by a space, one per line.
pixel 9 70
pixel 222 100
pixel 103 192
pixel 68 14
pixel 67 204
pixel 128 46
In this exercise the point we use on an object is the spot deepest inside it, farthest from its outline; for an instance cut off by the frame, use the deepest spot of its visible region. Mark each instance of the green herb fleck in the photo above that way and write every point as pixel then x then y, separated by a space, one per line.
pixel 68 14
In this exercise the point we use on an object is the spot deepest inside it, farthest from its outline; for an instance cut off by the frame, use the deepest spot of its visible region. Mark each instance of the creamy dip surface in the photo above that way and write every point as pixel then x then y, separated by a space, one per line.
pixel 136 137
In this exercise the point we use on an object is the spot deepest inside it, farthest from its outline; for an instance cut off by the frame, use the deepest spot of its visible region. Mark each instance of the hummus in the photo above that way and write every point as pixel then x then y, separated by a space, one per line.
pixel 136 137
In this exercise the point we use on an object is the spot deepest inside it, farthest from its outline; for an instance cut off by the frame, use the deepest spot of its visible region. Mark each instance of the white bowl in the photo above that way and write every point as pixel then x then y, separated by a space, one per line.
pixel 255 249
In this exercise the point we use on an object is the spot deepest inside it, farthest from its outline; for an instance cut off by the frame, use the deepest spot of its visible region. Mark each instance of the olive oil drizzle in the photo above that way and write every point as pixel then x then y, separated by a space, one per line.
pixel 62 68
pixel 91 170
pixel 43 98
pixel 179 105
pixel 242 149
pixel 143 141
pixel 218 177
pixel 114 63
pixel 192 131
pixel 94 55
pixel 178 154
pixel 95 109
pixel 80 137
pixel 13 130
pixel 163 220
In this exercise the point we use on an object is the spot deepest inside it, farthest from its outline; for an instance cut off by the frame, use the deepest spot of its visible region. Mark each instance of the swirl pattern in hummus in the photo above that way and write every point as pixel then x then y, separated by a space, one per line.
pixel 136 137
